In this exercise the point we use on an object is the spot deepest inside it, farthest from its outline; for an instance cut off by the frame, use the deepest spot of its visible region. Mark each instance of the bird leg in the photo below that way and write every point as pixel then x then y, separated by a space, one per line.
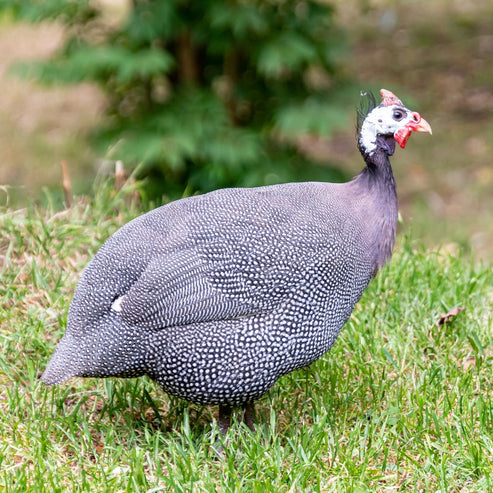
pixel 224 421
pixel 249 414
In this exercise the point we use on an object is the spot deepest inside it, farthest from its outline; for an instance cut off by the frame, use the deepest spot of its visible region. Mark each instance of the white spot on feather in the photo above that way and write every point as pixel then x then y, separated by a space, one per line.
pixel 117 304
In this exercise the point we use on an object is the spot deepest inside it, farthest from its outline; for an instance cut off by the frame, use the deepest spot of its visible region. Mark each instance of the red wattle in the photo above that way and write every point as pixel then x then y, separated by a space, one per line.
pixel 402 136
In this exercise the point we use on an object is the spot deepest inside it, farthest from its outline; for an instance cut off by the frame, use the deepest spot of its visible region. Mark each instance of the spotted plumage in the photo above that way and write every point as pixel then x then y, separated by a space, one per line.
pixel 217 296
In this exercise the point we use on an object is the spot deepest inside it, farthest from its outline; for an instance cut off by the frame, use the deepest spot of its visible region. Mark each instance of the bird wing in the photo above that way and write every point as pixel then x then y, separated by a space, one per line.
pixel 237 255
pixel 184 288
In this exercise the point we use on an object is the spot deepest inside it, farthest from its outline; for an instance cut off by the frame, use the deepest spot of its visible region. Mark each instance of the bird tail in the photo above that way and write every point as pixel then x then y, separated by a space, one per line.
pixel 61 366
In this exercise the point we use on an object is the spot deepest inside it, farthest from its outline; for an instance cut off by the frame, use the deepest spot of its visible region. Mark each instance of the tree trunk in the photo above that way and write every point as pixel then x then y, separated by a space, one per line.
pixel 187 59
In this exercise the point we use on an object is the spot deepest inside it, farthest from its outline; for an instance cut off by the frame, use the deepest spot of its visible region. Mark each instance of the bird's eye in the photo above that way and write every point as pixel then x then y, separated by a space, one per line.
pixel 398 115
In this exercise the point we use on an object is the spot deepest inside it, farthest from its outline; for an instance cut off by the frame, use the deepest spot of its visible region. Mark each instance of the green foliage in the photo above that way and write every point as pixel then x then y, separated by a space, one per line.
pixel 399 403
pixel 209 94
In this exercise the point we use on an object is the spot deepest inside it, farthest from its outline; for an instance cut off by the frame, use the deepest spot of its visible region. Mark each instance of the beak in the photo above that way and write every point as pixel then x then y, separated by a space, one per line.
pixel 417 124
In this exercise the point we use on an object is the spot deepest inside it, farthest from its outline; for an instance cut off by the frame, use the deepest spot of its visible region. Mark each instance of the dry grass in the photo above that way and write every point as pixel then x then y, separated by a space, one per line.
pixel 40 125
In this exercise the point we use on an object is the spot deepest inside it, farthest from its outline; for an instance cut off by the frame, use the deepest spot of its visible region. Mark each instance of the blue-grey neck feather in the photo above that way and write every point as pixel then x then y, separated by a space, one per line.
pixel 377 180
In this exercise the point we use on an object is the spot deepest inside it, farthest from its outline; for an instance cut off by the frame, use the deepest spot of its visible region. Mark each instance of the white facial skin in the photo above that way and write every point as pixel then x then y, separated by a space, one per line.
pixel 383 120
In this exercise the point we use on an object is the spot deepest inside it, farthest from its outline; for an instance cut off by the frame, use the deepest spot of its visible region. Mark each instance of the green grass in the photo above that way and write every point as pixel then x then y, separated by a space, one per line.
pixel 399 404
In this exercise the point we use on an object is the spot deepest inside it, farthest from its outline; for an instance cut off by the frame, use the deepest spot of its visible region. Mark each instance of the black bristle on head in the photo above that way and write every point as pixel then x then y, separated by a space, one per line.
pixel 368 104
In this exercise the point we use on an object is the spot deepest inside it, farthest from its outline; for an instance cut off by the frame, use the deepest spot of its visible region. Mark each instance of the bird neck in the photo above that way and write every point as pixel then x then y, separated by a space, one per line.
pixel 378 183
pixel 378 171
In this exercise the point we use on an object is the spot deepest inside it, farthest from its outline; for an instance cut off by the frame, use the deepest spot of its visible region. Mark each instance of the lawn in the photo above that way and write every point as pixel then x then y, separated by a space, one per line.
pixel 399 404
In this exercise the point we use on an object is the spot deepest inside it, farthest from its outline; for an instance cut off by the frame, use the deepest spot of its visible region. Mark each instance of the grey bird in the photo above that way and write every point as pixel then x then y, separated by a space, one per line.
pixel 217 296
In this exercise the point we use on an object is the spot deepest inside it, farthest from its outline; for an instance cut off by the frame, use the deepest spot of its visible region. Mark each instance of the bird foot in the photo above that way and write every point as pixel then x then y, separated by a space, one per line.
pixel 224 423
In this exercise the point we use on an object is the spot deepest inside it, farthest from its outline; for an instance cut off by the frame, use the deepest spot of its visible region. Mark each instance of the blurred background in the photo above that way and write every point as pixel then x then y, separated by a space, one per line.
pixel 193 96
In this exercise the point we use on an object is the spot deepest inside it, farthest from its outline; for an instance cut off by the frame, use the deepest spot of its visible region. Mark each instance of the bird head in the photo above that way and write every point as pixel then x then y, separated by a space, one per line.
pixel 390 121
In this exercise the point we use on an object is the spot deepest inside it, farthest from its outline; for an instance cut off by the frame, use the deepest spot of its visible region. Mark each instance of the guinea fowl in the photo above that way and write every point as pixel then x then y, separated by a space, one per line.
pixel 217 296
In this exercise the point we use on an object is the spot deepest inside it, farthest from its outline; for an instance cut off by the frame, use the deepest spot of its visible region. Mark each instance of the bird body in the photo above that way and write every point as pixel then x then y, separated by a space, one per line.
pixel 216 296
